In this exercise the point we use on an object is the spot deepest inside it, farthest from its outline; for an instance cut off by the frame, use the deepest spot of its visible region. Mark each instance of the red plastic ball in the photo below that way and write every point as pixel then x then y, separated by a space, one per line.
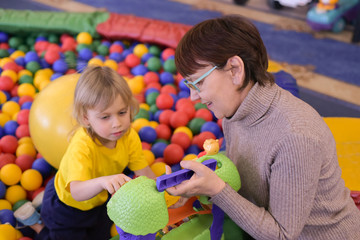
pixel 11 66
pixel 132 60
pixel 23 116
pixel 41 46
pixel 123 70
pixel 8 144
pixel 14 91
pixel 204 114
pixel 167 52
pixel 51 56
pixel 116 48
pixel 24 99
pixel 173 154
pixel 163 131
pixel 189 109
pixel 168 89
pixel 155 85
pixel 150 77
pixel 182 102
pixel 164 117
pixel 178 119
pixel 6 158
pixel 24 161
pixel 200 139
pixel 146 146
pixel 164 101
pixel 182 139
pixel 6 83
pixel 22 131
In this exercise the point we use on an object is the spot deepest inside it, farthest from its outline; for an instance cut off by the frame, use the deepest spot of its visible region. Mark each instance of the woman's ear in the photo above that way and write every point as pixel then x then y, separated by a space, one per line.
pixel 237 70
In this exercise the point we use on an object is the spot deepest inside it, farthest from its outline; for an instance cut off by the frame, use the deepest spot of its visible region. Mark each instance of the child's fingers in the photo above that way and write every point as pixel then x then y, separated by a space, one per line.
pixel 167 169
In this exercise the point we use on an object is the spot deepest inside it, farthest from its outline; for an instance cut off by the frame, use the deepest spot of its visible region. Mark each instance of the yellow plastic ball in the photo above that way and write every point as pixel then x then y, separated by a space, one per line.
pixel 5 204
pixel 31 179
pixel 7 232
pixel 3 97
pixel 24 72
pixel 10 108
pixel 43 84
pixel 10 73
pixel 139 123
pixel 4 117
pixel 45 71
pixel 190 156
pixel 15 193
pixel 5 60
pixel 144 106
pixel 14 117
pixel 136 84
pixel 96 62
pixel 185 130
pixel 18 234
pixel 10 174
pixel 149 156
pixel 50 119
pixel 38 79
pixel 84 38
pixel 140 49
pixel 17 54
pixel 158 168
pixel 26 89
pixel 111 64
pixel 26 149
pixel 153 124
pixel 25 140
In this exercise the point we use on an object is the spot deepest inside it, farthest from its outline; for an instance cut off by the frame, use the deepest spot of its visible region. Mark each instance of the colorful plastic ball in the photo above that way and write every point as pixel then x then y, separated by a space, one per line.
pixel 24 162
pixel 147 134
pixel 140 49
pixel 158 149
pixel 26 105
pixel 154 64
pixel 178 119
pixel 173 154
pixel 4 37
pixel 96 61
pixel 3 97
pixel 6 158
pixel 164 101
pixel 85 54
pixel 31 56
pixel 4 204
pixel 26 89
pixel 31 180
pixel 6 83
pixel 211 127
pixel 111 64
pixel 10 108
pixel 23 116
pixel 204 113
pixel 195 125
pixel 151 77
pixel 33 66
pixel 185 130
pixel 60 66
pixel 102 49
pixel 142 114
pixel 167 53
pixel 146 145
pixel 10 174
pixel 84 38
pixel 181 139
pixel 27 149
pixel 159 168
pixel 8 144
pixel 139 70
pixel 155 50
pixel 15 193
pixel 169 66
pixel 116 48
pixel 116 56
pixel 42 166
pixel 22 131
pixel 201 137
pixel 7 232
pixel 166 78
pixel 163 131
pixel 4 118
pixel 140 123
pixel 26 79
pixel 151 96
pixel 190 156
pixel 149 156
pixel 51 56
pixel 10 127
pixel 165 116
pixel 193 149
pixel 132 60
pixel 7 216
pixel 2 189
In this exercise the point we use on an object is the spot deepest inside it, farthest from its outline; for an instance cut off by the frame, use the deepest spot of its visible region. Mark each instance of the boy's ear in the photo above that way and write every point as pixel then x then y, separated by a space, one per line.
pixel 237 69
pixel 85 120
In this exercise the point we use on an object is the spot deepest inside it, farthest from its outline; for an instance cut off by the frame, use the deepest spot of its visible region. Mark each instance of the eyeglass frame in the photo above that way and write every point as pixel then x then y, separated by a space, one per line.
pixel 192 85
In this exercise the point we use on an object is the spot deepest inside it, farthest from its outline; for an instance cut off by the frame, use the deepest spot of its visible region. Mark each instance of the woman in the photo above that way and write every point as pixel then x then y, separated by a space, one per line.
pixel 282 148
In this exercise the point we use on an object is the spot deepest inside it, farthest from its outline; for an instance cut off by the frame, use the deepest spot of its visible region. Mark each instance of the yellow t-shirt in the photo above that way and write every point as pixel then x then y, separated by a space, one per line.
pixel 85 160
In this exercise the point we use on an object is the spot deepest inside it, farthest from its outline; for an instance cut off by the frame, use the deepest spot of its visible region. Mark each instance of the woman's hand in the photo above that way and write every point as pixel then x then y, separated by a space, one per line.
pixel 114 182
pixel 203 182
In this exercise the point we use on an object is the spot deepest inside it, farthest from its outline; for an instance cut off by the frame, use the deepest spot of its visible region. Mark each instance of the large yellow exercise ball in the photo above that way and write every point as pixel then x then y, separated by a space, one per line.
pixel 50 119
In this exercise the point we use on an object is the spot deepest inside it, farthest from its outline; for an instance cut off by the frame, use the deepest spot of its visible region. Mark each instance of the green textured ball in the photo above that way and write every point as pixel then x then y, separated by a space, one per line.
pixel 142 114
pixel 102 50
pixel 155 50
pixel 195 125
pixel 4 53
pixel 169 66
pixel 15 42
pixel 153 108
pixel 154 64
pixel 26 79
pixel 151 98
pixel 138 208
pixel 33 66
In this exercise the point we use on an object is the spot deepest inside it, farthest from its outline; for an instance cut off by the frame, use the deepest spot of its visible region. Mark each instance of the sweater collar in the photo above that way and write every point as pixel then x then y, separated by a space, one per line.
pixel 255 105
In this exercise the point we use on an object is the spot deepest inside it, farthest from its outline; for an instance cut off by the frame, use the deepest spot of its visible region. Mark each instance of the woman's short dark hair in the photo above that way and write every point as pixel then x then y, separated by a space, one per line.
pixel 214 41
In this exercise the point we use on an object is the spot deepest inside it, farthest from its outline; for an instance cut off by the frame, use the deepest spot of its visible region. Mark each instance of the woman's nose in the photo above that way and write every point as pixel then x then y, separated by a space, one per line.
pixel 194 95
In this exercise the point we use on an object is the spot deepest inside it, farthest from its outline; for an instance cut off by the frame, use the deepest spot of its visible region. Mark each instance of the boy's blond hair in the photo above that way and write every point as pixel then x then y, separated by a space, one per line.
pixel 98 86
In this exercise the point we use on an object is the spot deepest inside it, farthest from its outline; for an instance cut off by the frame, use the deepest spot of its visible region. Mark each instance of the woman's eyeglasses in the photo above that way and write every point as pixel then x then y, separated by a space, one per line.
pixel 192 85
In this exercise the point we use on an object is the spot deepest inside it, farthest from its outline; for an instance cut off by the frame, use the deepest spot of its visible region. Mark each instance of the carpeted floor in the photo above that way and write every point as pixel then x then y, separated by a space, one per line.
pixel 334 59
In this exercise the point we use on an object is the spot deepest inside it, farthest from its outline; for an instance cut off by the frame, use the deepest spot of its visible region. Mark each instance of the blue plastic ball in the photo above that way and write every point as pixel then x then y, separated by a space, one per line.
pixel 2 133
pixel 158 149
pixel 44 63
pixel 101 57
pixel 43 167
pixel 10 127
pixel 41 38
pixel 193 149
pixel 182 86
pixel 55 76
pixel 60 66
pixel 7 216
pixel 4 37
pixel 2 190
pixel 211 127
pixel 139 70
pixel 157 115
pixel 20 61
pixel 117 57
pixel 26 105
pixel 147 134
pixel 81 65
pixel 31 56
pixel 146 57
pixel 151 90
pixel 166 78
pixel 85 54
pixel 183 94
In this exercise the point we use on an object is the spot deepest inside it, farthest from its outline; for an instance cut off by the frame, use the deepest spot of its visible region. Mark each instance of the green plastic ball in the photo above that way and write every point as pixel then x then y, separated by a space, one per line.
pixel 102 50
pixel 26 79
pixel 154 64
pixel 169 66
pixel 15 42
pixel 33 66
pixel 4 53
pixel 155 50
pixel 195 125
pixel 151 98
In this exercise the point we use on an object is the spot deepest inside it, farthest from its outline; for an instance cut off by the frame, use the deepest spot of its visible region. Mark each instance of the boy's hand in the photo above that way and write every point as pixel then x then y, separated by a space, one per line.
pixel 114 182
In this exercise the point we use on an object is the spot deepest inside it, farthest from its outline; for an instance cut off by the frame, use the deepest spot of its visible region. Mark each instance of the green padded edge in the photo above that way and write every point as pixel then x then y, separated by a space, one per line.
pixel 25 22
